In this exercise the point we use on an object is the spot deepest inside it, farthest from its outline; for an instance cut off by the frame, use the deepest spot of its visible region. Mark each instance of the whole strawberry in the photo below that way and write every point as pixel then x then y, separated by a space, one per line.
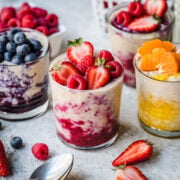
pixel 4 166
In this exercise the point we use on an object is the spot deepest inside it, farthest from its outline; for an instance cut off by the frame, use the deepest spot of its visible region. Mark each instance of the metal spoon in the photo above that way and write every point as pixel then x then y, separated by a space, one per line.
pixel 54 169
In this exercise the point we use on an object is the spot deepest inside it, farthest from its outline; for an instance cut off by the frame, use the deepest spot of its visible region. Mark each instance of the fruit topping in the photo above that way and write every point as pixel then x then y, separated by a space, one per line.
pixel 138 151
pixel 129 173
pixel 136 8
pixel 16 48
pixel 106 55
pixel 16 142
pixel 85 62
pixel 159 55
pixel 158 7
pixel 144 24
pixel 76 81
pixel 115 68
pixel 29 17
pixel 4 166
pixel 40 151
pixel 123 18
pixel 97 76
pixel 78 49
pixel 62 72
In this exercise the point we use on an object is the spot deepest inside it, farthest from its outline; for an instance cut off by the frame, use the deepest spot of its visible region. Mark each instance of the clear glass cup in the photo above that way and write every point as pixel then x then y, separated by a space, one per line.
pixel 24 87
pixel 158 104
pixel 86 119
pixel 125 44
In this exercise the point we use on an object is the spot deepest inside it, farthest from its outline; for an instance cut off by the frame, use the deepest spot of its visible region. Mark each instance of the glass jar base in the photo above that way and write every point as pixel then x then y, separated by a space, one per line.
pixel 158 132
pixel 26 115
pixel 104 145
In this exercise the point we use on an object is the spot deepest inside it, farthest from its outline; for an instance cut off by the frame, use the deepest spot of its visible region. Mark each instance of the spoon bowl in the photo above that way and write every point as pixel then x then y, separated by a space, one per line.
pixel 54 169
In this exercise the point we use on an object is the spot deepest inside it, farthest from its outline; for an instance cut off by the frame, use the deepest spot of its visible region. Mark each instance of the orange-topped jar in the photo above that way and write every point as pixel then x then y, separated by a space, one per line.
pixel 157 68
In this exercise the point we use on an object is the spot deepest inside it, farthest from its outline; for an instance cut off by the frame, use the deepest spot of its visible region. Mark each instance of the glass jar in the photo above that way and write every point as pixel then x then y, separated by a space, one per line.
pixel 24 87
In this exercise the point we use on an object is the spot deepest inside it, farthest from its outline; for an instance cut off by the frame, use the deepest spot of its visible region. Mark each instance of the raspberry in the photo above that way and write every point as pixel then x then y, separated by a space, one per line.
pixel 40 151
pixel 39 12
pixel 76 81
pixel 106 55
pixel 29 21
pixel 14 22
pixel 53 30
pixel 43 29
pixel 123 18
pixel 41 22
pixel 136 8
pixel 115 69
pixel 7 13
pixel 52 20
pixel 25 6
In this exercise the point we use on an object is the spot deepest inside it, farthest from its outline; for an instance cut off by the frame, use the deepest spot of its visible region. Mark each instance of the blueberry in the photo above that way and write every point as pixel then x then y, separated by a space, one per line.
pixel 29 57
pixel 4 39
pixel 16 142
pixel 22 50
pixel 17 60
pixel 1 57
pixel 36 45
pixel 19 38
pixel 7 56
pixel 11 47
pixel 12 32
pixel 2 47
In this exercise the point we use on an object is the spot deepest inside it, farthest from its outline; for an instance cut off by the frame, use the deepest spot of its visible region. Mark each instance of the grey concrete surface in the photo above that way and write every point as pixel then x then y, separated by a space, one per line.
pixel 78 18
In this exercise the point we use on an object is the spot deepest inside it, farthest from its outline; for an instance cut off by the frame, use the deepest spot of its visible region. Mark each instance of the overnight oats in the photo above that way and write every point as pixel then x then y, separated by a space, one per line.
pixel 157 66
pixel 131 24
pixel 24 60
pixel 86 92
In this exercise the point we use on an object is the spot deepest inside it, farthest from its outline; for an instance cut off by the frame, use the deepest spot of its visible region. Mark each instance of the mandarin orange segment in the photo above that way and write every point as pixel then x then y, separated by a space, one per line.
pixel 158 51
pixel 169 64
pixel 176 55
pixel 148 46
pixel 168 45
pixel 148 63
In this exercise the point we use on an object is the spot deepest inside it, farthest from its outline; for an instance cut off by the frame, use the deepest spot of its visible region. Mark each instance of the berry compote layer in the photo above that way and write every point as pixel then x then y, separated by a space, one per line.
pixel 126 39
pixel 24 79
pixel 86 118
pixel 157 67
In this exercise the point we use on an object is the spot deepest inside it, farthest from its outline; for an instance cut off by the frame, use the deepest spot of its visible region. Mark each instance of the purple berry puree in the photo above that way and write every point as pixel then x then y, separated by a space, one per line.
pixel 129 72
pixel 13 98
pixel 89 123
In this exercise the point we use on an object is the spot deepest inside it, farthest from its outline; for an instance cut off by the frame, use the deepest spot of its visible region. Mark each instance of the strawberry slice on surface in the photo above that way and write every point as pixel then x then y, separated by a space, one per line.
pixel 130 173
pixel 144 24
pixel 63 71
pixel 138 151
pixel 4 166
pixel 158 7
pixel 78 49
pixel 97 76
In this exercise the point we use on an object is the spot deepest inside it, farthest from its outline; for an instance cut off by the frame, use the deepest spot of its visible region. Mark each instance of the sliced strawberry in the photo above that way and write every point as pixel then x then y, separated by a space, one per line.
pixel 86 62
pixel 144 24
pixel 138 151
pixel 130 173
pixel 97 76
pixel 123 18
pixel 106 55
pixel 78 49
pixel 158 7
pixel 63 71
pixel 115 68
pixel 136 8
pixel 4 166
pixel 76 81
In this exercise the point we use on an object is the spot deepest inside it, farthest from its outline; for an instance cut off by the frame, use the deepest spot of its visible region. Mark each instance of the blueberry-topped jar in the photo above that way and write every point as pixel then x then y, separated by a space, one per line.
pixel 24 60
